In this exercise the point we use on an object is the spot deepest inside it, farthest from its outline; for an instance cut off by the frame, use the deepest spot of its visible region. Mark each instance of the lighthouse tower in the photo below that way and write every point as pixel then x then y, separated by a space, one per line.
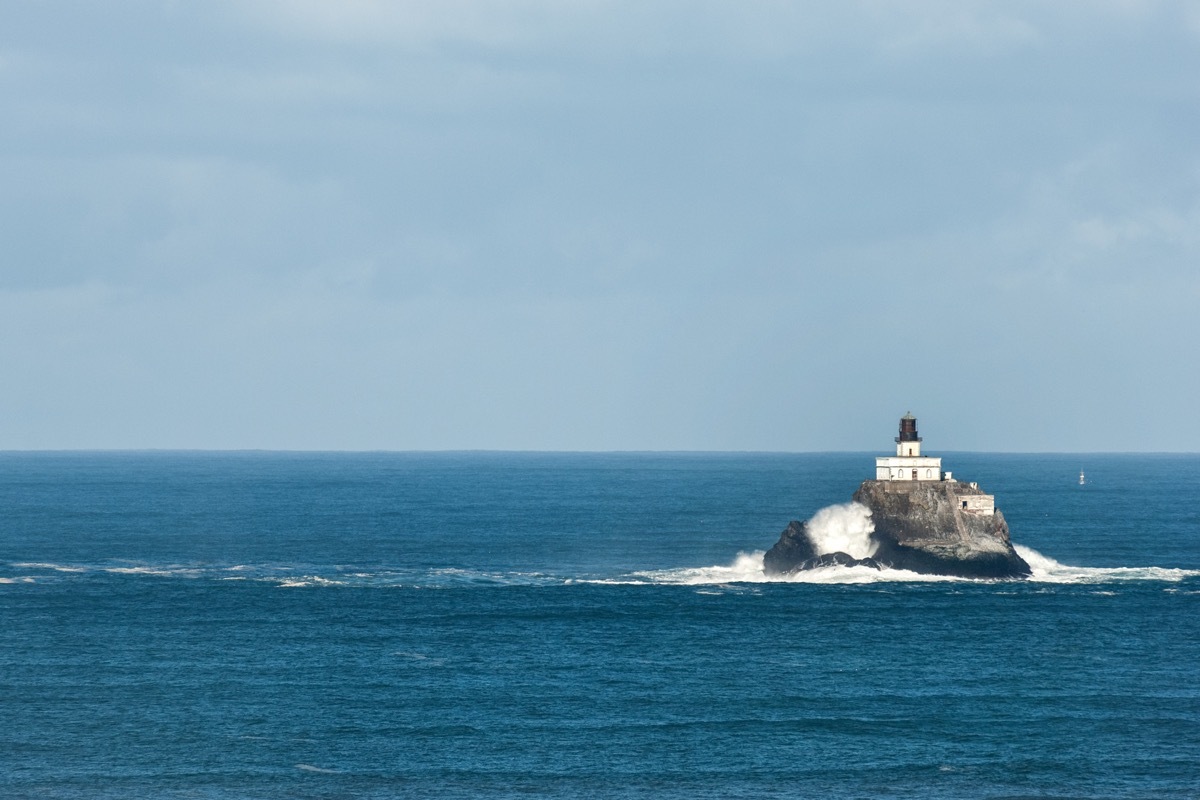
pixel 908 443
pixel 908 464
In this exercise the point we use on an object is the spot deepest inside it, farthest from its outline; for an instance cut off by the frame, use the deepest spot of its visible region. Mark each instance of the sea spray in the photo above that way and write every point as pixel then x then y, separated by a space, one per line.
pixel 1047 570
pixel 844 528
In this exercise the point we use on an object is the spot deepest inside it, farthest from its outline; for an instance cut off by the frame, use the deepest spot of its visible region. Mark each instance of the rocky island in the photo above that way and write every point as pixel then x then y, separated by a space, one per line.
pixel 912 516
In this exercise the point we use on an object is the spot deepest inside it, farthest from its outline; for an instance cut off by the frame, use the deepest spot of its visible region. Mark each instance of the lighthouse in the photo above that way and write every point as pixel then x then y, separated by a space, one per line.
pixel 908 464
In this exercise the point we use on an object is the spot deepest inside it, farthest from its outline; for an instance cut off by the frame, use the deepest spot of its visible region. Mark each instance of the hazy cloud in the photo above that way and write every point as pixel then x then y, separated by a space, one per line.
pixel 599 224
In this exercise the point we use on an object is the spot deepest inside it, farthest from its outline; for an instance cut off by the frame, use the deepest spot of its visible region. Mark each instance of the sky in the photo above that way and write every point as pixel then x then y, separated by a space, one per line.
pixel 600 224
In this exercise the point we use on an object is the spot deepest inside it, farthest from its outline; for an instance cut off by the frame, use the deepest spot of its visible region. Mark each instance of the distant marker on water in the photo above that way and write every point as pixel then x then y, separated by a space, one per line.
pixel 1082 480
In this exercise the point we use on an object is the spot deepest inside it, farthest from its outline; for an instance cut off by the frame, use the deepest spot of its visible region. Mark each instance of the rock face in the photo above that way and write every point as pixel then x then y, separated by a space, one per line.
pixel 920 526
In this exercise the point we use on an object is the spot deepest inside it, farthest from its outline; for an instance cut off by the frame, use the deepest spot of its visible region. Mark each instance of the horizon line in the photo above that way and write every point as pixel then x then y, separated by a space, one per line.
pixel 510 451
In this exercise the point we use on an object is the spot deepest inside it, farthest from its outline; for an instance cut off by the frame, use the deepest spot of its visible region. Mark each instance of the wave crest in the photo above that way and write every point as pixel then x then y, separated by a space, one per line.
pixel 1047 570
pixel 843 528
pixel 748 568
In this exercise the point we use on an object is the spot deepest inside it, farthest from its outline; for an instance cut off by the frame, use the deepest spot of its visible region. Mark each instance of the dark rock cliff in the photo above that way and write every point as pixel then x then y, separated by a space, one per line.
pixel 919 526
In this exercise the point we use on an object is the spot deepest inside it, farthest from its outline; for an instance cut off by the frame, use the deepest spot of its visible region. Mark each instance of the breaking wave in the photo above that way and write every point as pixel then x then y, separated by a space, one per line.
pixel 844 528
pixel 1047 570
pixel 845 522
pixel 286 576
pixel 748 568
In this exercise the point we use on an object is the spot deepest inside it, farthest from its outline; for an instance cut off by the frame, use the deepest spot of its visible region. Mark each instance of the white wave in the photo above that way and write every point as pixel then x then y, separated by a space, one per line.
pixel 471 575
pixel 456 575
pixel 308 580
pixel 748 568
pixel 843 528
pixel 320 770
pixel 420 658
pixel 169 572
pixel 1047 570
pixel 47 565
pixel 840 528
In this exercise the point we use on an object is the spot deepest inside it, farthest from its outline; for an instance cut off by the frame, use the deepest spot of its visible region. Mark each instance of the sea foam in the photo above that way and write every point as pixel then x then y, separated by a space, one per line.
pixel 748 568
pixel 1047 570
pixel 838 528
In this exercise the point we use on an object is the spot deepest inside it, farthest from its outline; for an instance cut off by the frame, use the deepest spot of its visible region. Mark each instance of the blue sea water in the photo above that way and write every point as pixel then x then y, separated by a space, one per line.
pixel 281 625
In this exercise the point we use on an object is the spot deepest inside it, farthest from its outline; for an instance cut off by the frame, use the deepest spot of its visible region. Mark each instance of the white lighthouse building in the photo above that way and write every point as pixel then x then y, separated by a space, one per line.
pixel 908 464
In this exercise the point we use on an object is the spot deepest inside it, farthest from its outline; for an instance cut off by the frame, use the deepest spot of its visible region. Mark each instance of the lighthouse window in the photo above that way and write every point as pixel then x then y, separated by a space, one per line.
pixel 928 473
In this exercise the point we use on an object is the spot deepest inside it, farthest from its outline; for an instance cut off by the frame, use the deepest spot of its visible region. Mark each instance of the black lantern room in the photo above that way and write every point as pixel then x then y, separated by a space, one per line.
pixel 908 429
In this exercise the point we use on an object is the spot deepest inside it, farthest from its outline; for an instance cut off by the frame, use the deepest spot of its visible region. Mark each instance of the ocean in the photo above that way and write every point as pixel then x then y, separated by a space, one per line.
pixel 502 625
